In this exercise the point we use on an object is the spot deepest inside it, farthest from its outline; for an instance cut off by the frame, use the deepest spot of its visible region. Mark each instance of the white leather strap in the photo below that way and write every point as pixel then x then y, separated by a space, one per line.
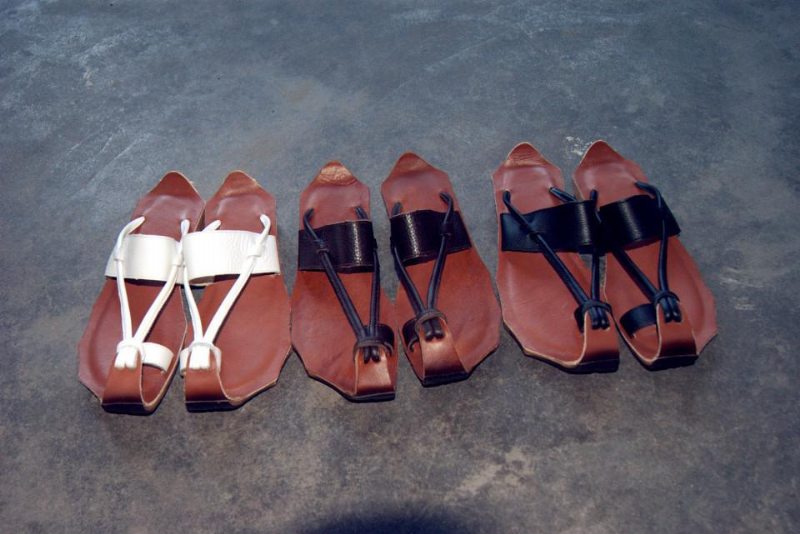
pixel 201 352
pixel 146 257
pixel 133 345
pixel 219 252
pixel 153 354
pixel 249 250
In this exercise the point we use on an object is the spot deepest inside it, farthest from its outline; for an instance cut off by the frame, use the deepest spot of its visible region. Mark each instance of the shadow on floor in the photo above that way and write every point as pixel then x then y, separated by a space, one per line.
pixel 396 522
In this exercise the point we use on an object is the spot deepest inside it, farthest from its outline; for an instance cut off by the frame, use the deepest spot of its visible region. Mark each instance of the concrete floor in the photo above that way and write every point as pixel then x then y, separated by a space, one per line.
pixel 97 103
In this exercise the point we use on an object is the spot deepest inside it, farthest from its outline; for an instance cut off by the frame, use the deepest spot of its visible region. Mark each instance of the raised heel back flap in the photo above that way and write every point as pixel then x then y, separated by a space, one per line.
pixel 343 325
pixel 447 306
pixel 638 266
pixel 128 352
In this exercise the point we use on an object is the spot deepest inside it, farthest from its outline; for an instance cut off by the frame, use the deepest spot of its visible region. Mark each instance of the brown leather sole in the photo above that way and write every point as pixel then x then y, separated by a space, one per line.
pixel 438 380
pixel 254 340
pixel 360 398
pixel 221 406
pixel 139 391
pixel 667 362
pixel 133 408
pixel 466 296
pixel 538 308
pixel 321 334
pixel 665 344
pixel 606 365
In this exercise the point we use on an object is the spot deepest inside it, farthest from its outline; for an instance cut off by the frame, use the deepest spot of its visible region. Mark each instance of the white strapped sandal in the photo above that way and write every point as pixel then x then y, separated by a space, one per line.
pixel 240 327
pixel 127 352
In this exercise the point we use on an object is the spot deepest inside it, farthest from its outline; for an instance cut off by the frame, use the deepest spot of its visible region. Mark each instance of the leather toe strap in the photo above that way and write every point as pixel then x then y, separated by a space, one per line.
pixel 440 358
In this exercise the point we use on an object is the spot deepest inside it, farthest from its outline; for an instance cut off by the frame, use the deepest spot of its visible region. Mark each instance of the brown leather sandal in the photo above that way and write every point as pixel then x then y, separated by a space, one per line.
pixel 127 354
pixel 449 332
pixel 663 309
pixel 240 328
pixel 338 284
pixel 551 303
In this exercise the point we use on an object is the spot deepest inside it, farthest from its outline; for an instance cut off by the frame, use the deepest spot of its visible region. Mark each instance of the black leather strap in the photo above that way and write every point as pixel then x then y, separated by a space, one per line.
pixel 425 235
pixel 598 310
pixel 638 219
pixel 351 245
pixel 417 235
pixel 384 337
pixel 635 220
pixel 587 305
pixel 570 227
pixel 430 321
pixel 358 234
pixel 637 318
pixel 409 332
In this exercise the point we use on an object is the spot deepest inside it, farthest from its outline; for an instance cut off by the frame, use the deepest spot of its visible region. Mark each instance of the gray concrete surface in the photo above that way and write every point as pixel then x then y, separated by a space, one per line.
pixel 98 101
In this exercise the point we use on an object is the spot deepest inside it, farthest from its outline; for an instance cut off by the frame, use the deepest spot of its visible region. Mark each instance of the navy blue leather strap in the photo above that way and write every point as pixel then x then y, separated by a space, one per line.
pixel 635 220
pixel 637 318
pixel 642 219
pixel 598 310
pixel 570 227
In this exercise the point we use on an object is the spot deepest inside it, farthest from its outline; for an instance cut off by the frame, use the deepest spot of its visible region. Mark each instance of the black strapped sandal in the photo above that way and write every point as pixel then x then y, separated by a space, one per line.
pixel 665 323
pixel 338 283
pixel 348 247
pixel 639 219
pixel 569 227
pixel 551 301
pixel 414 241
pixel 449 332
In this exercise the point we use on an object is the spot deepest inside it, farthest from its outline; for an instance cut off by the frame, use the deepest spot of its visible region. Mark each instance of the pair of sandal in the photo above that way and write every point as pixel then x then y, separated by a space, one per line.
pixel 343 325
pixel 562 311
pixel 137 335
